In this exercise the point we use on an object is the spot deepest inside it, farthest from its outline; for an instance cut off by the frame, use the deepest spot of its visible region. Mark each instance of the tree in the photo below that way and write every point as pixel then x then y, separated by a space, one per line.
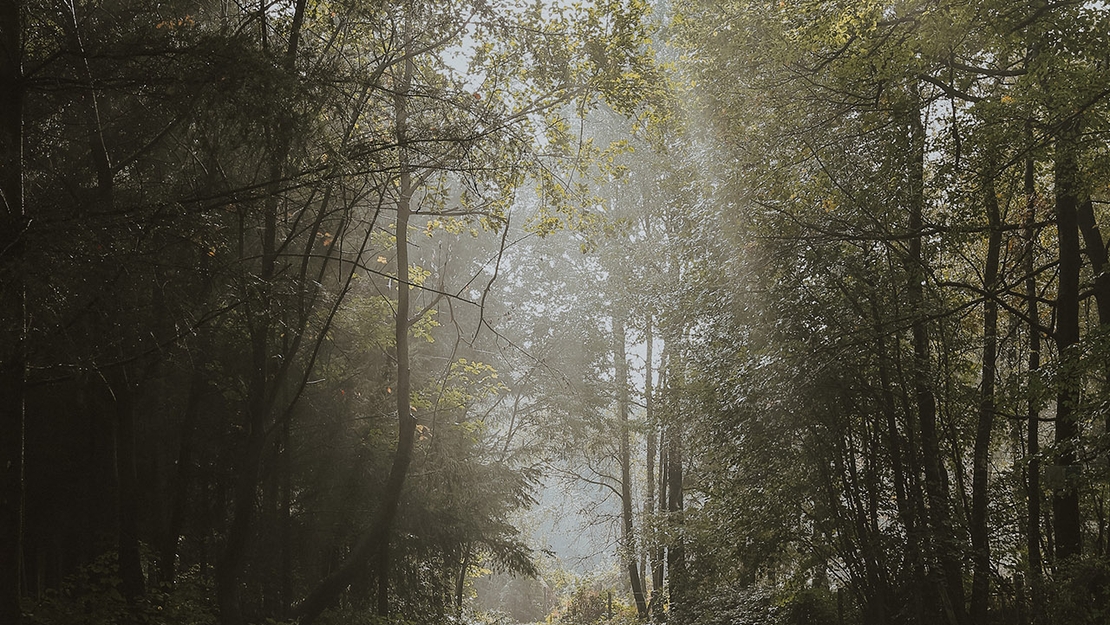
pixel 13 312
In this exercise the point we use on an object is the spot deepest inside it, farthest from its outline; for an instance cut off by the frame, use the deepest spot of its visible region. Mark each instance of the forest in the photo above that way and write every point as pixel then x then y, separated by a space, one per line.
pixel 316 311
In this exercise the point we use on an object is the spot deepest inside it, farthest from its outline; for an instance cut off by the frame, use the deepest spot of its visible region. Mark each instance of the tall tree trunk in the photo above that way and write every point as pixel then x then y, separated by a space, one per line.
pixel 950 585
pixel 179 483
pixel 628 542
pixel 261 386
pixel 373 547
pixel 902 487
pixel 406 421
pixel 260 314
pixel 655 562
pixel 460 581
pixel 980 528
pixel 1065 496
pixel 121 389
pixel 13 318
pixel 286 592
pixel 1033 412
pixel 664 476
pixel 676 550
pixel 1095 248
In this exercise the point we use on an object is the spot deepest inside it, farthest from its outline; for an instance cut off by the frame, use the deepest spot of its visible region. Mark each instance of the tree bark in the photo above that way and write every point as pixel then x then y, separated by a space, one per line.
pixel 460 581
pixel 1065 496
pixel 1033 412
pixel 262 383
pixel 676 550
pixel 373 547
pixel 1095 248
pixel 179 483
pixel 980 528
pixel 902 487
pixel 655 562
pixel 628 542
pixel 132 581
pixel 13 318
pixel 950 585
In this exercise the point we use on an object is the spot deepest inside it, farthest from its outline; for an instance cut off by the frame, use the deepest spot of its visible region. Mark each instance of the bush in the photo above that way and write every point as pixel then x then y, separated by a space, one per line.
pixel 92 596
pixel 1079 594
pixel 812 606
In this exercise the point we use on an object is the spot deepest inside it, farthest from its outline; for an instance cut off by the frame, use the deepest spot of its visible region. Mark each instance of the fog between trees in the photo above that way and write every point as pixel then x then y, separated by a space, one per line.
pixel 305 305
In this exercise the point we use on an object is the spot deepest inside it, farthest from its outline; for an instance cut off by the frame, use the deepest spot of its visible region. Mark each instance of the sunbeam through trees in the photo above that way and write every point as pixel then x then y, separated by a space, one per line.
pixel 491 312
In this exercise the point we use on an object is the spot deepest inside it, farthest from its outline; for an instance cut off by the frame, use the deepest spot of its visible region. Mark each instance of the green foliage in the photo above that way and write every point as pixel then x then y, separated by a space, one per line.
pixel 761 605
pixel 590 604
pixel 1080 592
pixel 92 595
pixel 360 616
pixel 812 606
pixel 744 605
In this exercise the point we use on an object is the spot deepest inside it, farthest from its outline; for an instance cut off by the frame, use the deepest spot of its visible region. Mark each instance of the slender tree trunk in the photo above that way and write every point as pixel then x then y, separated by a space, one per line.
pixel 406 421
pixel 628 546
pixel 1095 248
pixel 373 547
pixel 117 378
pixel 676 550
pixel 286 521
pixel 980 528
pixel 121 388
pixel 655 562
pixel 260 315
pixel 901 487
pixel 232 562
pixel 179 483
pixel 663 500
pixel 1065 496
pixel 950 586
pixel 1033 427
pixel 460 581
pixel 13 318
pixel 262 385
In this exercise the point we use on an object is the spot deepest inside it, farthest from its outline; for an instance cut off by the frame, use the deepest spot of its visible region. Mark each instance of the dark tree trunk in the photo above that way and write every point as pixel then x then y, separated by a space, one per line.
pixel 13 367
pixel 286 592
pixel 263 382
pixel 676 550
pixel 373 547
pixel 1095 248
pixel 980 527
pixel 460 581
pixel 179 483
pixel 950 584
pixel 1065 496
pixel 655 562
pixel 628 546
pixel 901 498
pixel 406 421
pixel 1033 428
pixel 676 553
pixel 121 388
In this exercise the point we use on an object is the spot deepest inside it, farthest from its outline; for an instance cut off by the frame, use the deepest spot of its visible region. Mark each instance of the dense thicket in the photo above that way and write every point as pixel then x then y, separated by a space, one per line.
pixel 901 415
pixel 246 249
